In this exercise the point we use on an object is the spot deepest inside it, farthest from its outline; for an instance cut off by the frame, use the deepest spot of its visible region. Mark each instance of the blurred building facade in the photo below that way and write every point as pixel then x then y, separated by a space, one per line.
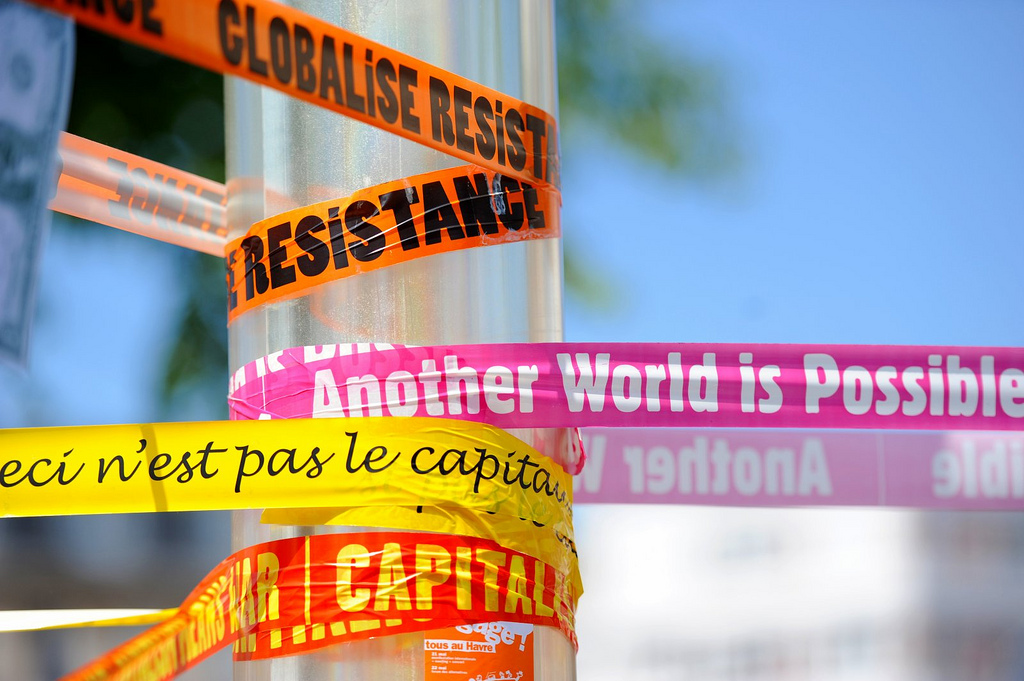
pixel 112 561
pixel 799 594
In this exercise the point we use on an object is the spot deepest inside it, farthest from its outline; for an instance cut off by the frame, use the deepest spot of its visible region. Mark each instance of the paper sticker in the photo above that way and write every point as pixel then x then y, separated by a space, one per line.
pixel 489 651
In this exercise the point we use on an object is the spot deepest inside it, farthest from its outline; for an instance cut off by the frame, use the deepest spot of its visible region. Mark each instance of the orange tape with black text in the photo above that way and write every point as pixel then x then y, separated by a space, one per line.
pixel 436 212
pixel 297 595
pixel 118 189
pixel 308 58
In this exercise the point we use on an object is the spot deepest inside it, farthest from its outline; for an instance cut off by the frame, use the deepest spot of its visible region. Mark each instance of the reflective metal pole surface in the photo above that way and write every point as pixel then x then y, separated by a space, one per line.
pixel 284 154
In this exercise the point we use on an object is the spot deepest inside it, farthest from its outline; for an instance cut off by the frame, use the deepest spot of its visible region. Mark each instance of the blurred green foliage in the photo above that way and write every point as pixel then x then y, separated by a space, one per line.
pixel 160 108
pixel 616 83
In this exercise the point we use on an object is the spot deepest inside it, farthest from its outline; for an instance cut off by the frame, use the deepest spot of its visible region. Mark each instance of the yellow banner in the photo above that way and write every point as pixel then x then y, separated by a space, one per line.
pixel 367 462
pixel 39 620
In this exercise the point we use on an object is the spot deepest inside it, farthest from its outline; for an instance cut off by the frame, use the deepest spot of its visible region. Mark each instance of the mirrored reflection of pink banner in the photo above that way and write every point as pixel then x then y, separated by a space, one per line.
pixel 748 467
pixel 535 385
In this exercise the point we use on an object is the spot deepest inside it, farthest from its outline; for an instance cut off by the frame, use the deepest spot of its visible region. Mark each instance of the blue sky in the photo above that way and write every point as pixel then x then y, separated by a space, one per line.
pixel 879 198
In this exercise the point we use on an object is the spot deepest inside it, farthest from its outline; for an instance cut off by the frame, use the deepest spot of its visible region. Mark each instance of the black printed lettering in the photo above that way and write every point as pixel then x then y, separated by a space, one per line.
pixel 499 124
pixel 247 453
pixel 478 469
pixel 475 205
pixel 256 65
pixel 374 455
pixel 516 152
pixel 280 50
pixel 232 293
pixel 407 80
pixel 305 74
pixel 125 10
pixel 438 214
pixel 277 254
pixel 337 238
pixel 463 99
pixel 537 128
pixel 400 202
pixel 318 465
pixel 60 471
pixel 551 169
pixel 356 102
pixel 141 204
pixel 206 451
pixel 9 470
pixel 158 464
pixel 318 256
pixel 371 102
pixel 186 462
pixel 119 460
pixel 330 78
pixel 484 118
pixel 119 207
pixel 150 24
pixel 287 461
pixel 171 204
pixel 512 217
pixel 230 45
pixel 256 281
pixel 440 104
pixel 387 100
pixel 373 243
pixel 534 216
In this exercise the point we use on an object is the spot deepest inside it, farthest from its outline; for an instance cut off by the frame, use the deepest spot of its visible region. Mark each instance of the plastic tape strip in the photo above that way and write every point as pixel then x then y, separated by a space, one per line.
pixel 297 595
pixel 296 463
pixel 540 541
pixel 37 620
pixel 307 58
pixel 958 470
pixel 528 385
pixel 125 191
pixel 442 211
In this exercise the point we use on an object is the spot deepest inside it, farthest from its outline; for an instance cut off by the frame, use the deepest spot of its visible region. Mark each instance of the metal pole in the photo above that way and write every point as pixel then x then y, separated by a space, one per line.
pixel 283 154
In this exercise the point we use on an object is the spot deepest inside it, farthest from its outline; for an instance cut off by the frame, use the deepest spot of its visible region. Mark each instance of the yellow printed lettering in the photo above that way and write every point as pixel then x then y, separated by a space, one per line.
pixel 392 580
pixel 433 567
pixel 517 595
pixel 267 566
pixel 349 557
pixel 491 561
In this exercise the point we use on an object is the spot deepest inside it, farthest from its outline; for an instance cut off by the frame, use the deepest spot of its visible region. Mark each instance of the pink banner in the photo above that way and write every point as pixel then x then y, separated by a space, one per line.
pixel 535 385
pixel 729 467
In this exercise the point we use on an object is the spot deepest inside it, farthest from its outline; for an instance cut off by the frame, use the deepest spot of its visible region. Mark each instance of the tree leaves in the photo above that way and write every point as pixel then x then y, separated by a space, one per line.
pixel 617 82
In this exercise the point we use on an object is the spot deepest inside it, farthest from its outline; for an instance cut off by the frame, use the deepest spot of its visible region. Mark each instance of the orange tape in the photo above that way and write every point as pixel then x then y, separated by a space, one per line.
pixel 437 212
pixel 297 595
pixel 125 191
pixel 308 58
